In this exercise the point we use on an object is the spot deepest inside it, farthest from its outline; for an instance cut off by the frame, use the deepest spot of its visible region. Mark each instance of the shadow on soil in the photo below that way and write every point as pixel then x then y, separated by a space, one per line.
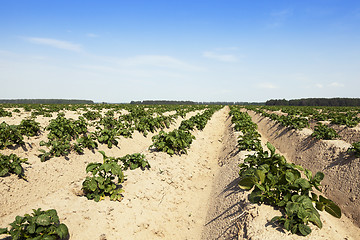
pixel 230 214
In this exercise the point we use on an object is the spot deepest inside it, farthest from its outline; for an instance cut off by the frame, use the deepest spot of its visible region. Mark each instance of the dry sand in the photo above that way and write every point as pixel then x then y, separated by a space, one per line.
pixel 192 196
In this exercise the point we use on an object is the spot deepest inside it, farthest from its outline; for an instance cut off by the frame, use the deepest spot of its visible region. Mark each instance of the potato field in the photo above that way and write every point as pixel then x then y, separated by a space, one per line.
pixel 111 171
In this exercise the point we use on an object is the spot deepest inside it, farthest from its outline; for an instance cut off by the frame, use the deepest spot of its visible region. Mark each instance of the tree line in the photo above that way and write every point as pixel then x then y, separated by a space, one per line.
pixel 315 102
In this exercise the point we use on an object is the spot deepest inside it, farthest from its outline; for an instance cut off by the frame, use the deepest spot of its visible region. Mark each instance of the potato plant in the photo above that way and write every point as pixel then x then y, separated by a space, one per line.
pixel 275 182
pixel 108 130
pixel 187 125
pixel 12 164
pixel 133 161
pixel 62 132
pixel 105 180
pixel 29 127
pixel 107 136
pixel 4 113
pixel 86 141
pixel 39 225
pixel 355 148
pixel 347 119
pixel 250 141
pixel 324 132
pixel 174 142
pixel 179 140
pixel 10 135
pixel 92 115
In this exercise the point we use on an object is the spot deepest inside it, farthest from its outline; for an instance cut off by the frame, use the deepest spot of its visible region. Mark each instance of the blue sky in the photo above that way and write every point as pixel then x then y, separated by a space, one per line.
pixel 200 50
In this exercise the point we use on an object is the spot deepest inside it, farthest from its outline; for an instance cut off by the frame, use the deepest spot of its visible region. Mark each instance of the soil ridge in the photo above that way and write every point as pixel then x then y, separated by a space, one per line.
pixel 341 182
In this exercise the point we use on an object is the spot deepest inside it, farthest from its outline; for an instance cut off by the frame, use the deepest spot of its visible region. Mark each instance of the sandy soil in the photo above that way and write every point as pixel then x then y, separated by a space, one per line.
pixel 192 196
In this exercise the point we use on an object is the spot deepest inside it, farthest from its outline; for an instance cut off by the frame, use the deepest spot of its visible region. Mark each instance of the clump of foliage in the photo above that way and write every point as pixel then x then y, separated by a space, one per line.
pixel 355 148
pixel 12 164
pixel 4 113
pixel 85 142
pixel 250 141
pixel 10 135
pixel 187 125
pixel 322 131
pixel 176 141
pixel 181 112
pixel 198 121
pixel 92 115
pixel 105 180
pixel 133 161
pixel 293 122
pixel 13 134
pixel 107 136
pixel 107 130
pixel 347 119
pixel 62 132
pixel 275 182
pixel 29 127
pixel 39 225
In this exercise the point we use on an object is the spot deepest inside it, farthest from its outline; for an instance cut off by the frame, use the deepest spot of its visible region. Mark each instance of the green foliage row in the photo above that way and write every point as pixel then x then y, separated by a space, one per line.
pixel 275 182
pixel 179 140
pixel 291 120
pixel 324 132
pixel 64 132
pixel 336 115
pixel 250 138
pixel 40 225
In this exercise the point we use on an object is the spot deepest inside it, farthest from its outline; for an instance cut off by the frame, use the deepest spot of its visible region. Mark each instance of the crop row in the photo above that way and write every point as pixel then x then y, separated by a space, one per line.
pixel 298 120
pixel 106 177
pixel 179 140
pixel 348 116
pixel 276 182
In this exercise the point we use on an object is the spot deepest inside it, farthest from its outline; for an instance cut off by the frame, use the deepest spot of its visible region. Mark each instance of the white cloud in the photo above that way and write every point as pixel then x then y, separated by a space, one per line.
pixel 161 61
pixel 330 85
pixel 55 43
pixel 267 85
pixel 220 57
pixel 227 49
pixel 278 18
pixel 282 13
pixel 92 35
pixel 142 66
pixel 336 84
pixel 134 73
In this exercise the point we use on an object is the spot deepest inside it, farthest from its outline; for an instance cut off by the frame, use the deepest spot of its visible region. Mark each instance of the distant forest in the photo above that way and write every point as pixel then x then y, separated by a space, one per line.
pixel 315 102
pixel 46 101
